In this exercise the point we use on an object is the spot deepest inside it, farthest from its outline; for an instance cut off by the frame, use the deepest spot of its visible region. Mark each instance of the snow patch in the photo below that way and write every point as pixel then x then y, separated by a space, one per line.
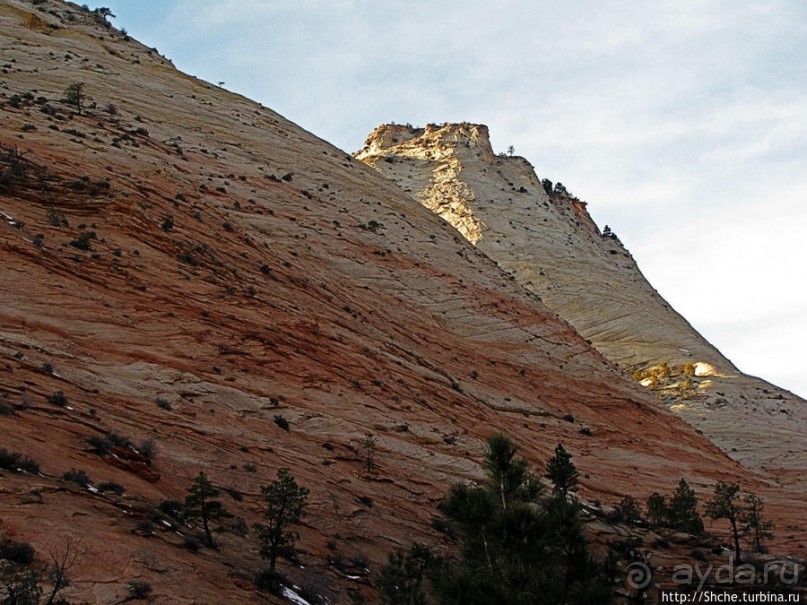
pixel 294 597
pixel 10 219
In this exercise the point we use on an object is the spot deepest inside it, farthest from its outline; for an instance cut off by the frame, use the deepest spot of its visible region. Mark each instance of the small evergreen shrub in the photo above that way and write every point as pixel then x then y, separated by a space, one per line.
pixel 105 444
pixel 82 241
pixel 172 508
pixel 17 463
pixel 628 510
pixel 78 477
pixel 164 404
pixel 74 95
pixel 21 553
pixel 139 590
pixel 111 487
pixel 148 449
pixel 58 398
pixel 270 581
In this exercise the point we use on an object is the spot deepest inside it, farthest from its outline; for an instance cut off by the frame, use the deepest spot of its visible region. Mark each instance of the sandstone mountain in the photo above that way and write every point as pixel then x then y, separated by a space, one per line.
pixel 545 238
pixel 185 269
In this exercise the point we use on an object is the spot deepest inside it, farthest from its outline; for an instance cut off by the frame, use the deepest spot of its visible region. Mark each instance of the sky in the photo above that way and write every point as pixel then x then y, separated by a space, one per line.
pixel 683 123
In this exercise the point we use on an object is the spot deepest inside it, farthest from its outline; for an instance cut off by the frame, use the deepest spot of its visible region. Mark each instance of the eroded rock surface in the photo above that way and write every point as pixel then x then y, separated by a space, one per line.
pixel 547 240
pixel 187 266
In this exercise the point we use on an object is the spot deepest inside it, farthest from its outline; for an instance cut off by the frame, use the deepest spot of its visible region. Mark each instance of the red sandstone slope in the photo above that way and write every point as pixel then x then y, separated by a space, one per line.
pixel 243 269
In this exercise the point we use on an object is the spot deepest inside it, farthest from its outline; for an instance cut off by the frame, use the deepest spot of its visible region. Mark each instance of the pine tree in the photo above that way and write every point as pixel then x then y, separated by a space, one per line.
pixel 754 526
pixel 103 13
pixel 74 95
pixel 725 505
pixel 285 507
pixel 560 470
pixel 657 512
pixel 515 549
pixel 507 476
pixel 628 510
pixel 201 504
pixel 401 579
pixel 561 190
pixel 683 510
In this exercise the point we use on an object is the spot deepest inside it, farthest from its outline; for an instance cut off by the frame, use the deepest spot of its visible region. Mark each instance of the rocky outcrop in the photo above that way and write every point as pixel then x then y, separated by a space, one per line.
pixel 546 239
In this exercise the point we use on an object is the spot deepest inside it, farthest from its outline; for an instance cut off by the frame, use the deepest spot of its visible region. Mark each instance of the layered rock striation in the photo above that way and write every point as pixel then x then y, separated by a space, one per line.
pixel 190 282
pixel 546 239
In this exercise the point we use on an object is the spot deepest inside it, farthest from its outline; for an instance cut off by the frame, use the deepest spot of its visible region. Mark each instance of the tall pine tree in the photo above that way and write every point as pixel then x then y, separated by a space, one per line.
pixel 560 470
pixel 517 548
pixel 285 507
pixel 683 510
pixel 201 504
pixel 725 504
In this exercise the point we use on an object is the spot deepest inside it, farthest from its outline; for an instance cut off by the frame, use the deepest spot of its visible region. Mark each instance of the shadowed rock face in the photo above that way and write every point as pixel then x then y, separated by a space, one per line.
pixel 187 266
pixel 549 243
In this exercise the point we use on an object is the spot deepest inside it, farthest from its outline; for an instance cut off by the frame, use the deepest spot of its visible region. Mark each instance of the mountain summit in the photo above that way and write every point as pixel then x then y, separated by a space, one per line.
pixel 544 236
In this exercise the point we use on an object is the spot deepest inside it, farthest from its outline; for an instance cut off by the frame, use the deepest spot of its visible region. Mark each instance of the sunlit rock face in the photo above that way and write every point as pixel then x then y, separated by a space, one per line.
pixel 441 190
pixel 546 239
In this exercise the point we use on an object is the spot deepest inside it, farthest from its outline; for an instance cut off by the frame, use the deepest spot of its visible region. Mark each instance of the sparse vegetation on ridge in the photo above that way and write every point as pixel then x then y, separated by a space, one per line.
pixel 17 462
pixel 517 546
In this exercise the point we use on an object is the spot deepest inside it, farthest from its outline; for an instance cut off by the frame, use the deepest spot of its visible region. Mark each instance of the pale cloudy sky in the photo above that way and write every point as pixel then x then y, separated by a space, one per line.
pixel 683 123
